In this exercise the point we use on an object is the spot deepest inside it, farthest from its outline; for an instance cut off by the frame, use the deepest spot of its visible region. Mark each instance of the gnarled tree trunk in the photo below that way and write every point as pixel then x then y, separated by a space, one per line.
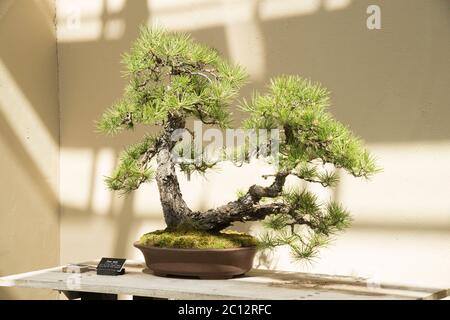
pixel 174 207
pixel 177 213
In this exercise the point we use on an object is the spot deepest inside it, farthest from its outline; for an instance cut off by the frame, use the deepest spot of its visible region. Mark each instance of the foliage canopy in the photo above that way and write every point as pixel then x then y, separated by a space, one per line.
pixel 172 78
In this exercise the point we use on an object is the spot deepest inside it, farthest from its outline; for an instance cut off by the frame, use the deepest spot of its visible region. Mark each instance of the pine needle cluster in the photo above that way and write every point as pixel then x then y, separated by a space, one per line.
pixel 312 141
pixel 170 73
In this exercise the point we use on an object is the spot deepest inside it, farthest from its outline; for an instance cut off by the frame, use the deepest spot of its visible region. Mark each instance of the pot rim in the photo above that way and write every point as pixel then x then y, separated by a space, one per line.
pixel 141 246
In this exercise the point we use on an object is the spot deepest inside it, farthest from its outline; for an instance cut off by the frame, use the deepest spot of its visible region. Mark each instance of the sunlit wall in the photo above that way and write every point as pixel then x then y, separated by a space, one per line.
pixel 29 142
pixel 389 85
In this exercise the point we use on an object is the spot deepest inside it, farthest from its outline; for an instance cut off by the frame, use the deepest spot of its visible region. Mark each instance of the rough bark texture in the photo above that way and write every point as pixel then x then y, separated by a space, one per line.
pixel 174 207
pixel 177 213
pixel 246 208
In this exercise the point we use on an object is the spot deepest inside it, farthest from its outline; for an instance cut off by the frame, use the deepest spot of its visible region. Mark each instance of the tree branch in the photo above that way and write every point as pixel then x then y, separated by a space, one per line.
pixel 246 208
pixel 201 116
pixel 201 74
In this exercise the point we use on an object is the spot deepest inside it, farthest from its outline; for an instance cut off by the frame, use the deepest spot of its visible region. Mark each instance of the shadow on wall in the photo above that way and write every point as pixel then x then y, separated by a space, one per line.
pixel 4 293
pixel 29 138
pixel 389 86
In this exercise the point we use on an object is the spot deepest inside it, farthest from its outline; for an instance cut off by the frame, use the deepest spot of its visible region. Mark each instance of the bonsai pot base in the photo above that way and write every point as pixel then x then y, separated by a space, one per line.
pixel 202 277
pixel 199 263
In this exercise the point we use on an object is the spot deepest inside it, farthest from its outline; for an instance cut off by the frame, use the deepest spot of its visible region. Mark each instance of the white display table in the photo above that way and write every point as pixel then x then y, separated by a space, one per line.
pixel 257 284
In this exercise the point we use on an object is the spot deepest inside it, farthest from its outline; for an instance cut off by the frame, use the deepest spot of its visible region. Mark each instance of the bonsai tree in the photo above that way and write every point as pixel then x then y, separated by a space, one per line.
pixel 172 79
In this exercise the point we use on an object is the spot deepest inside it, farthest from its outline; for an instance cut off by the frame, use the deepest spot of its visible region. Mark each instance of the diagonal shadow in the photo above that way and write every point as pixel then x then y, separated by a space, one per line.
pixel 26 162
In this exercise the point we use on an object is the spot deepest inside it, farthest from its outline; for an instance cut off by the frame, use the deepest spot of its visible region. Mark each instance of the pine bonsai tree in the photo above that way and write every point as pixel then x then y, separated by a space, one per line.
pixel 171 79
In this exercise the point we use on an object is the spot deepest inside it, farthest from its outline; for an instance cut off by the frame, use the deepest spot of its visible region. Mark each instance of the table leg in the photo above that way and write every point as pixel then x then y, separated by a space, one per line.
pixel 147 298
pixel 71 295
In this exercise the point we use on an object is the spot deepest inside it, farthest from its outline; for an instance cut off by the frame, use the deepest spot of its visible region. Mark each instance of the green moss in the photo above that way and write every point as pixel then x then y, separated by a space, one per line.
pixel 197 239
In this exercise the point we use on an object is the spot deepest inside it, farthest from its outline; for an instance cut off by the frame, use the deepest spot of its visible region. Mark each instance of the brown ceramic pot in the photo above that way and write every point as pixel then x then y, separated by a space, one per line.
pixel 201 263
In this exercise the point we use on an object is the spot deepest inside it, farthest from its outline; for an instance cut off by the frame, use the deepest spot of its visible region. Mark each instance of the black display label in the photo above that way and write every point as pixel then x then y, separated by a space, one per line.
pixel 111 266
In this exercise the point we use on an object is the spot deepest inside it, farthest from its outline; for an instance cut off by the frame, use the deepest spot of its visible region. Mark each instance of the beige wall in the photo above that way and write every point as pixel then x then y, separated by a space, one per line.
pixel 29 138
pixel 390 86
